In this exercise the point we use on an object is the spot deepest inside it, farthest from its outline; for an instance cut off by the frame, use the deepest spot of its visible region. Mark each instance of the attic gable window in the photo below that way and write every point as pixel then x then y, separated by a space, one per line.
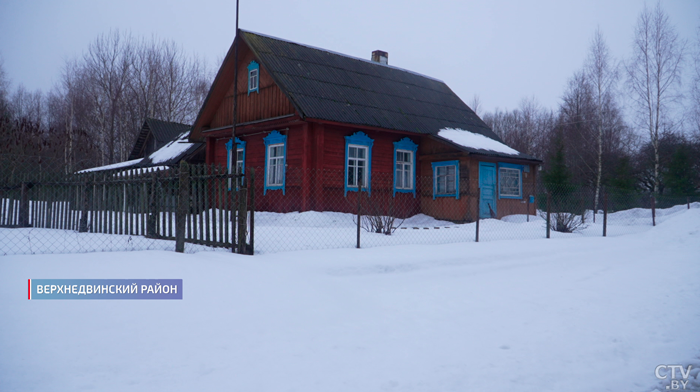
pixel 405 166
pixel 253 77
pixel 358 162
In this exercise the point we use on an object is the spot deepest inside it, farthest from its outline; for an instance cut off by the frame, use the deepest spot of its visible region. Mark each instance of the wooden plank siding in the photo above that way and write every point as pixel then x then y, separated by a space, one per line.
pixel 268 102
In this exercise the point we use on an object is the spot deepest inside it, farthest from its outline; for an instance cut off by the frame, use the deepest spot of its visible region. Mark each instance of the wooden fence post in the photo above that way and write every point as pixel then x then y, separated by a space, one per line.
pixel 549 225
pixel 152 209
pixel 242 219
pixel 24 205
pixel 183 203
pixel 251 186
pixel 83 226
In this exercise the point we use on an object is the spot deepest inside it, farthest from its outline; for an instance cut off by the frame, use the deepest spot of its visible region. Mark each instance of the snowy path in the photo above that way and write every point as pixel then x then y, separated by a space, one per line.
pixel 583 314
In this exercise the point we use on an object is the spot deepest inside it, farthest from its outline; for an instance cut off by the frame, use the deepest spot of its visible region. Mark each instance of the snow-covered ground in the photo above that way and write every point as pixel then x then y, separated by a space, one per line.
pixel 581 314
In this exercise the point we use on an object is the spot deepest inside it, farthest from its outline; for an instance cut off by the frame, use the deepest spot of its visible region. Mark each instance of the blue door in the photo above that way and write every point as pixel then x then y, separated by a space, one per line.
pixel 487 183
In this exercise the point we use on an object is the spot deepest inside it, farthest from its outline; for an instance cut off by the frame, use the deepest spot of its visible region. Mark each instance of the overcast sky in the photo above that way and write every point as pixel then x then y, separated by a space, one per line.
pixel 502 50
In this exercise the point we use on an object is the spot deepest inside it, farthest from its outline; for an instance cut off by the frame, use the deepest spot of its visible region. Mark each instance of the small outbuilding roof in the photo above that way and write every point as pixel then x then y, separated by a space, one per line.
pixel 161 131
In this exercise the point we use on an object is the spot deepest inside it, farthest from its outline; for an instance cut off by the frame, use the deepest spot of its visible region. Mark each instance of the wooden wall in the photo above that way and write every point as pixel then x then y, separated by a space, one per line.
pixel 268 102
pixel 315 173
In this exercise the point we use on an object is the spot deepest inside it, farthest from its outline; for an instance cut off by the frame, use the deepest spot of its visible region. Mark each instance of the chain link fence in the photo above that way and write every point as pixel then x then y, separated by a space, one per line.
pixel 194 208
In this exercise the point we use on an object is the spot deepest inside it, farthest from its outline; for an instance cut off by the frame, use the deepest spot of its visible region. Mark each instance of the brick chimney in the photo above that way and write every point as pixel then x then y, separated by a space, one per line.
pixel 381 57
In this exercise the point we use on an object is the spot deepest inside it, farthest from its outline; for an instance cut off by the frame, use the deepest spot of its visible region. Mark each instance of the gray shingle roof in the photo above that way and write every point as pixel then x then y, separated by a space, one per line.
pixel 162 131
pixel 329 86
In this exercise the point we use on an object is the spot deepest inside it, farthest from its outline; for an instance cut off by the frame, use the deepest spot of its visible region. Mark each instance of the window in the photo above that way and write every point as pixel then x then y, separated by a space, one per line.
pixel 404 169
pixel 510 181
pixel 404 166
pixel 358 162
pixel 275 161
pixel 445 179
pixel 275 164
pixel 253 77
pixel 357 166
pixel 240 158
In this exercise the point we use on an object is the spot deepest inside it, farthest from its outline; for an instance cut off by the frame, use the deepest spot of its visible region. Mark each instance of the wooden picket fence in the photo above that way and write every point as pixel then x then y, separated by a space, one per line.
pixel 199 204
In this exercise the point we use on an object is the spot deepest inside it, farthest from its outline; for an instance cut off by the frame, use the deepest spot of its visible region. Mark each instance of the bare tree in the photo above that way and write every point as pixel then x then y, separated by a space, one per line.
pixel 602 74
pixel 475 104
pixel 526 128
pixel 4 88
pixel 653 74
pixel 108 64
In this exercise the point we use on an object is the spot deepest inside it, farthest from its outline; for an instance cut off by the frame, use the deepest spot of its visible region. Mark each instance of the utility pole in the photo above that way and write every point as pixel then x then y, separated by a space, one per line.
pixel 233 162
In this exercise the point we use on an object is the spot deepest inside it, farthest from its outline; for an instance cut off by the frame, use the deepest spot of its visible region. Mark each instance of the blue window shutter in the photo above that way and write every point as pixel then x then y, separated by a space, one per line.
pixel 408 145
pixel 361 139
pixel 275 138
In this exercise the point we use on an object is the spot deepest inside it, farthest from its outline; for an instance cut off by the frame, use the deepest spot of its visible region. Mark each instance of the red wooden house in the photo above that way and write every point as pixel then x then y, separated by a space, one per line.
pixel 319 124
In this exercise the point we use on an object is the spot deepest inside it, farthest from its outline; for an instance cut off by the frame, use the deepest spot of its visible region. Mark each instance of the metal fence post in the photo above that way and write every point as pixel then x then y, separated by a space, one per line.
pixel 183 202
pixel 605 212
pixel 549 225
pixel 478 190
pixel 528 208
pixel 359 207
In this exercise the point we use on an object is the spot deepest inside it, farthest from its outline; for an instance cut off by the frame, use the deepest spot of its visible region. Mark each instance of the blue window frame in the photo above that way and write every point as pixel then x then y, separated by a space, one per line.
pixel 358 162
pixel 253 77
pixel 510 181
pixel 405 166
pixel 240 158
pixel 446 179
pixel 275 161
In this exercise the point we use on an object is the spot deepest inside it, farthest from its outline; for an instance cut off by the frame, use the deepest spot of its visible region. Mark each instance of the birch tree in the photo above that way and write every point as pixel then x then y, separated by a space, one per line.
pixel 602 74
pixel 694 107
pixel 653 75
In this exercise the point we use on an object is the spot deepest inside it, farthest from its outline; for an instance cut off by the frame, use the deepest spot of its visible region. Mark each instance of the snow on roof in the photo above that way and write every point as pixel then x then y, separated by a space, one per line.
pixel 475 140
pixel 113 166
pixel 172 149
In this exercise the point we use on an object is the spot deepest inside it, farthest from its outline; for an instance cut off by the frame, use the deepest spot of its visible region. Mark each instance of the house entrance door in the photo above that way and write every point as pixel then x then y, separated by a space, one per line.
pixel 487 183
